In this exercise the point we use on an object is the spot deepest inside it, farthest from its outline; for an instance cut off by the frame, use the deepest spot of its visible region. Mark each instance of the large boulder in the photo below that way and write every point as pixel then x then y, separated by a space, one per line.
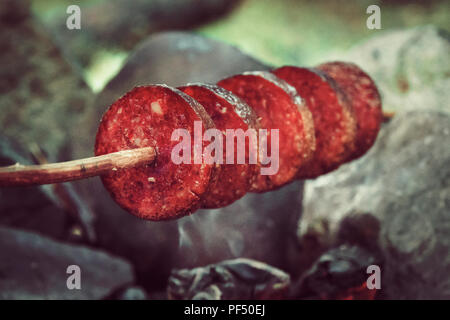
pixel 396 199
pixel 35 267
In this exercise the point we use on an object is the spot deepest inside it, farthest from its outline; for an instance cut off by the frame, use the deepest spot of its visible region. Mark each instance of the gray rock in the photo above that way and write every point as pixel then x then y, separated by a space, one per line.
pixel 410 67
pixel 258 226
pixel 399 195
pixel 34 267
pixel 150 246
pixel 41 97
pixel 129 293
pixel 229 280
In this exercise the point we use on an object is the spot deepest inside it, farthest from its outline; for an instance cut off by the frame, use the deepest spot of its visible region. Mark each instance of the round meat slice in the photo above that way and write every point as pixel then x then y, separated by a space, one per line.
pixel 334 121
pixel 279 108
pixel 228 112
pixel 148 116
pixel 364 99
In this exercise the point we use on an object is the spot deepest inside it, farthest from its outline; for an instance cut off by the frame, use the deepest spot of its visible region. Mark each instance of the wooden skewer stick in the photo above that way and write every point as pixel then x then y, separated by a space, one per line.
pixel 28 175
pixel 24 175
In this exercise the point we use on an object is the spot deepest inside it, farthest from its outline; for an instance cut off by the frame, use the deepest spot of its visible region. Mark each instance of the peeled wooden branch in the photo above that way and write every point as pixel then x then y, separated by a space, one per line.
pixel 24 175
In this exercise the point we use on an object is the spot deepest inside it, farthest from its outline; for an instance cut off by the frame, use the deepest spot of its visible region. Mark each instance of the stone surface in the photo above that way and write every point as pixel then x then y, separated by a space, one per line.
pixel 399 195
pixel 410 67
pixel 229 280
pixel 41 97
pixel 258 226
pixel 34 267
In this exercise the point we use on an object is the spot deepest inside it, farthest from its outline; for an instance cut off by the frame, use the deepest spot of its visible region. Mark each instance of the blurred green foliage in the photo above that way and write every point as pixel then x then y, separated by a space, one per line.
pixel 305 32
pixel 278 32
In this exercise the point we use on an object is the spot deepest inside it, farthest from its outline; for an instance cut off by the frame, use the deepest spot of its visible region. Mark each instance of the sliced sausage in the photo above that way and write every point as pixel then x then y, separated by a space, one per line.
pixel 228 112
pixel 334 120
pixel 365 101
pixel 147 116
pixel 278 107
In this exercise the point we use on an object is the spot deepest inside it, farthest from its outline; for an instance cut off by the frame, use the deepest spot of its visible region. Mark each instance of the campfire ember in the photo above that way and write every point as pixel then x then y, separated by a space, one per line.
pixel 340 273
pixel 231 279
